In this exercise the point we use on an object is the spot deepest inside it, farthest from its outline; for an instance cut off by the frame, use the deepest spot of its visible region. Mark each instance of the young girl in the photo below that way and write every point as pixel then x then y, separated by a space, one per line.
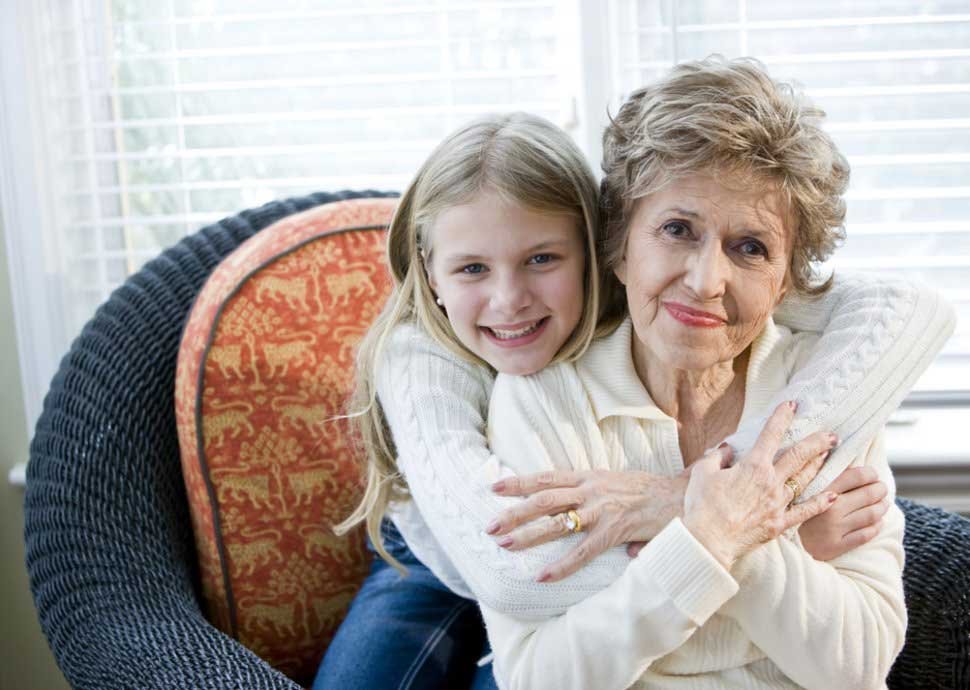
pixel 492 250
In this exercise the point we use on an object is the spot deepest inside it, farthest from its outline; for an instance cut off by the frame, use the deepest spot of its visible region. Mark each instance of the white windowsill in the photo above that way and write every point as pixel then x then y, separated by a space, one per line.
pixel 930 456
pixel 935 436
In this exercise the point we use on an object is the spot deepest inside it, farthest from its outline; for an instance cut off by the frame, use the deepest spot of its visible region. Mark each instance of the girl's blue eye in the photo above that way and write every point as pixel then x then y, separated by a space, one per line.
pixel 753 248
pixel 541 259
pixel 473 269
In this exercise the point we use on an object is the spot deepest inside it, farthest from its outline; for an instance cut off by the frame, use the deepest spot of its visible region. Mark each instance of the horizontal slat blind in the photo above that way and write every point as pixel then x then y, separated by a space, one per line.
pixel 166 115
pixel 894 79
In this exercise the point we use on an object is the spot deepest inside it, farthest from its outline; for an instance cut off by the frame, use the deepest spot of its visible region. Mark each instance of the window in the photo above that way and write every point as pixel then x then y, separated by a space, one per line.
pixel 141 121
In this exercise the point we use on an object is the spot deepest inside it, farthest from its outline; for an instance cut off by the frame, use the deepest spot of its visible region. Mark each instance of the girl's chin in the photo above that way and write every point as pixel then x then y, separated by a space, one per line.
pixel 514 363
pixel 524 371
pixel 514 368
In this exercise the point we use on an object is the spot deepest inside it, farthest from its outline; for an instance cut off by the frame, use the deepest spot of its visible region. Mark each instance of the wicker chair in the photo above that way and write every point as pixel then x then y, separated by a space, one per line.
pixel 109 544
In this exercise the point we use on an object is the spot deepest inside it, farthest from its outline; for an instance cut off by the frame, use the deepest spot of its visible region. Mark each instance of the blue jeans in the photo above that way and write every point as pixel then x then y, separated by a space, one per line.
pixel 406 633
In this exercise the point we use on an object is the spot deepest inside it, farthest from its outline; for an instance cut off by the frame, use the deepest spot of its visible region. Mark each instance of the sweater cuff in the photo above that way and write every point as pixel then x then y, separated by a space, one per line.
pixel 687 572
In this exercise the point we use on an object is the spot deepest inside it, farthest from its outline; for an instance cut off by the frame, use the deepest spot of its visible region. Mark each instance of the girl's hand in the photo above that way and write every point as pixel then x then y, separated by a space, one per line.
pixel 854 519
pixel 613 507
pixel 733 510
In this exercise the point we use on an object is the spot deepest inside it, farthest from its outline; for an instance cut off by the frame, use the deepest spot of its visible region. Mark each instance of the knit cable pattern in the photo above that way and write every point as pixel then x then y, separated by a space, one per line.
pixel 109 545
pixel 880 335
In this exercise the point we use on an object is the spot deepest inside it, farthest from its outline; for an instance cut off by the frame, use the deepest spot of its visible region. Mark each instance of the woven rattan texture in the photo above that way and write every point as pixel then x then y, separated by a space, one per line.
pixel 109 544
pixel 937 584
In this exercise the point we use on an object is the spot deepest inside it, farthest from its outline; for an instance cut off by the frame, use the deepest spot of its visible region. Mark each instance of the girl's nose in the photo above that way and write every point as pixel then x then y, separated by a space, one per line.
pixel 511 295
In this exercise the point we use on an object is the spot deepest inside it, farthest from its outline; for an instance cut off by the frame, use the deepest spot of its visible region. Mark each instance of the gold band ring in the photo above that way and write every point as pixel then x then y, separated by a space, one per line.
pixel 796 488
pixel 572 521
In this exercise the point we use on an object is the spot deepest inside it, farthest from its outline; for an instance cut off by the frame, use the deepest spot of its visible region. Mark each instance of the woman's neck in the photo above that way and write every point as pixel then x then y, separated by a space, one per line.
pixel 707 404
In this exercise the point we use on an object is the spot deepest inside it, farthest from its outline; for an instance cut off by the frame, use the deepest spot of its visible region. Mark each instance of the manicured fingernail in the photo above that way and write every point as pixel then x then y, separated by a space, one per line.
pixel 505 542
pixel 831 497
pixel 833 440
pixel 793 404
pixel 724 444
pixel 544 577
pixel 499 485
pixel 493 527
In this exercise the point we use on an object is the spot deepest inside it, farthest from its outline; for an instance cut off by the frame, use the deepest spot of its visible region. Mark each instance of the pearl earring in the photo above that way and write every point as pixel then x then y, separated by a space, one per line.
pixel 440 302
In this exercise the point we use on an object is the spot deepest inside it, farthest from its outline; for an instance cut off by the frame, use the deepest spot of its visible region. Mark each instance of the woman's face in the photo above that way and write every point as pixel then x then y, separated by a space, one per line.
pixel 704 267
pixel 510 279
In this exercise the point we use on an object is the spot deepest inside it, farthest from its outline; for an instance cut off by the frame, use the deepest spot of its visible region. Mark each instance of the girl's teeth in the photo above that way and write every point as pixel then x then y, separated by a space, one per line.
pixel 508 335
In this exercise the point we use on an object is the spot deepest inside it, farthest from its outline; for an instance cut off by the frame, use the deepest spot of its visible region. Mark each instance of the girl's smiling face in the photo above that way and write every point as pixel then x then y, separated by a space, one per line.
pixel 510 279
pixel 705 266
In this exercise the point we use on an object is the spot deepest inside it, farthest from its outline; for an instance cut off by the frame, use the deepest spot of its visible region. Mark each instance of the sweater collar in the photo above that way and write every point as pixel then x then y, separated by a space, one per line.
pixel 610 377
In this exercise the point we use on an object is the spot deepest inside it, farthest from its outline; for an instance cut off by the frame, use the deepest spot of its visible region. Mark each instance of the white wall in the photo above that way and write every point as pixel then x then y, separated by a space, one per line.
pixel 26 662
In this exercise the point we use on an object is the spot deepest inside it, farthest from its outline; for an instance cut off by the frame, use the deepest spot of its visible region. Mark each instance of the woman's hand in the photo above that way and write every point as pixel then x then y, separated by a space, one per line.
pixel 853 520
pixel 613 507
pixel 732 510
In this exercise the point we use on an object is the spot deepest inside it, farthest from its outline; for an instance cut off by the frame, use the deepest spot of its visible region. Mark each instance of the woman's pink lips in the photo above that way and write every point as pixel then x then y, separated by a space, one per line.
pixel 693 317
pixel 521 340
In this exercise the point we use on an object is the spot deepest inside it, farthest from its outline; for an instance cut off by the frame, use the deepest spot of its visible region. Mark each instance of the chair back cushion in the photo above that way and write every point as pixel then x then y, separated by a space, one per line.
pixel 266 363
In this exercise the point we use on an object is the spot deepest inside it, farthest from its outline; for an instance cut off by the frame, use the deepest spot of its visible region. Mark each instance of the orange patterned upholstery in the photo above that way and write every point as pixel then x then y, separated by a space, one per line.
pixel 266 362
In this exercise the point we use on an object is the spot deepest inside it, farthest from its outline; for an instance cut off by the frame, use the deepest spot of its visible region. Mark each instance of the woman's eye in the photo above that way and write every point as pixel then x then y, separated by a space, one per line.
pixel 753 248
pixel 676 228
pixel 473 269
pixel 541 259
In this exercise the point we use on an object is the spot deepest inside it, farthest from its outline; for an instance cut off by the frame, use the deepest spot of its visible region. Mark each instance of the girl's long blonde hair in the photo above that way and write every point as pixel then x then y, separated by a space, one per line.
pixel 523 158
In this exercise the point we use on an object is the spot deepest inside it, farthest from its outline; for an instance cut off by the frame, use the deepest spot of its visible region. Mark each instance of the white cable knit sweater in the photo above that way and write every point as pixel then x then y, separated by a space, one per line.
pixel 879 336
pixel 675 618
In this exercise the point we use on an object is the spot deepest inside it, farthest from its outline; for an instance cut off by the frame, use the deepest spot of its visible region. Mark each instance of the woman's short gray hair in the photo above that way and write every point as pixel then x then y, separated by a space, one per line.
pixel 731 116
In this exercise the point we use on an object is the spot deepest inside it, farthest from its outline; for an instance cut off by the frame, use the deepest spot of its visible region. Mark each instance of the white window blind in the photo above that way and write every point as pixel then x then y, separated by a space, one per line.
pixel 894 79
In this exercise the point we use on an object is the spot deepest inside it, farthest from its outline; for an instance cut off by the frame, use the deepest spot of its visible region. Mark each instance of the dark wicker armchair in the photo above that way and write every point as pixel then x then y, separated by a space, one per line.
pixel 110 551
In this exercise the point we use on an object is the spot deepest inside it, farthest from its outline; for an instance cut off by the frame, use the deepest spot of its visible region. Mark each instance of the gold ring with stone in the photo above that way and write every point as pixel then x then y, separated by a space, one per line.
pixel 796 488
pixel 572 521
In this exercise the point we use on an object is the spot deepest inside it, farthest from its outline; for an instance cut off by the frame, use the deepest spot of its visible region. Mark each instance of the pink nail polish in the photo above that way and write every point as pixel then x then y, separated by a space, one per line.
pixel 544 577
pixel 793 404
pixel 492 527
pixel 505 542
pixel 499 486
pixel 832 497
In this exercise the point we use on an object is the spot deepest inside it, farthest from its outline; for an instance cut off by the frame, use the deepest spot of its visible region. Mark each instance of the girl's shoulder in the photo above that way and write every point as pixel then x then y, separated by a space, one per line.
pixel 409 345
pixel 407 338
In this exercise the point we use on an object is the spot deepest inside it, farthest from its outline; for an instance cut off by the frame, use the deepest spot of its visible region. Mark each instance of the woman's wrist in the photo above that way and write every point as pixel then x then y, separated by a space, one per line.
pixel 664 502
pixel 704 531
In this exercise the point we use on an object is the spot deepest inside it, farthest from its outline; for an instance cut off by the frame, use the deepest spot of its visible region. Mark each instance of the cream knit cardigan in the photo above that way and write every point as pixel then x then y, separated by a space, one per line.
pixel 675 618
pixel 877 337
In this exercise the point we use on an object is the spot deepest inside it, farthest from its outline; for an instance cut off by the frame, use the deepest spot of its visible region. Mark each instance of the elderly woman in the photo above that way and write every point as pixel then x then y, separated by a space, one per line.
pixel 720 191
